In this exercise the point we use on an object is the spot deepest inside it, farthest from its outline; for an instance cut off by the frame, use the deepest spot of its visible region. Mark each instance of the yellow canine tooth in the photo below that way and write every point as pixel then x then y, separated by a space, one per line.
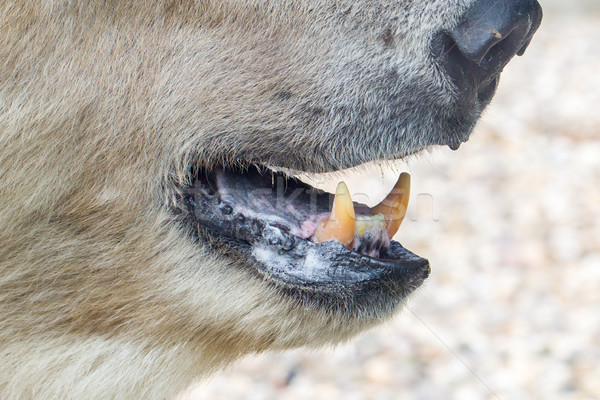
pixel 394 206
pixel 341 223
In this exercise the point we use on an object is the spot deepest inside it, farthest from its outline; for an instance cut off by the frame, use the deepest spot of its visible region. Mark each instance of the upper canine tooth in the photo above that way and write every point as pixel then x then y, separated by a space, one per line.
pixel 341 223
pixel 394 206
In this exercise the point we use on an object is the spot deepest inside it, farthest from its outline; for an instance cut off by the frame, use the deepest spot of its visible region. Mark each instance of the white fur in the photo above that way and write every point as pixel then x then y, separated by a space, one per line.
pixel 104 108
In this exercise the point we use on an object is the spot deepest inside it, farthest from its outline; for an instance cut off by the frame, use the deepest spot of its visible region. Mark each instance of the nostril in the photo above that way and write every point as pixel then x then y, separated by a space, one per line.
pixel 497 29
pixel 475 42
pixel 487 37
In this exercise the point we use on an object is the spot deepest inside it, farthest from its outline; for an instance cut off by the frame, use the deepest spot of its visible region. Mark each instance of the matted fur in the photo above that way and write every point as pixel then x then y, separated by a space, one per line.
pixel 105 105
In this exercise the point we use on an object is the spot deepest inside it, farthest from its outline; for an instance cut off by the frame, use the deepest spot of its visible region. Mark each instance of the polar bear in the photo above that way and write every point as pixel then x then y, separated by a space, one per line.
pixel 151 228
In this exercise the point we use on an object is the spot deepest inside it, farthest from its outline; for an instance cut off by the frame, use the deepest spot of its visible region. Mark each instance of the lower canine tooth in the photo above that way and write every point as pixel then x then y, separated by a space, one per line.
pixel 394 206
pixel 341 223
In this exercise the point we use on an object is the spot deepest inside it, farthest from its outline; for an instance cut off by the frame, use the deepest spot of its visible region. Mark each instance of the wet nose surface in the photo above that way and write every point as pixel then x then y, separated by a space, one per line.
pixel 488 36
pixel 493 31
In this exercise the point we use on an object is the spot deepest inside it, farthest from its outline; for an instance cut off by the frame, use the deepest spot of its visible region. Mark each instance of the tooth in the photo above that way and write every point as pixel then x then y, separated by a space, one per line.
pixel 341 223
pixel 393 207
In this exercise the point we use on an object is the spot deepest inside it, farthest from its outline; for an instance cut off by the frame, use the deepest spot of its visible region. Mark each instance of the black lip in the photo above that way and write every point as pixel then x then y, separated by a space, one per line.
pixel 297 264
pixel 341 269
pixel 376 297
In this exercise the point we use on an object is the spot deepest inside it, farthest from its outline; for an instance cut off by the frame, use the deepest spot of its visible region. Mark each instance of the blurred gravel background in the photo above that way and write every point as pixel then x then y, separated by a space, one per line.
pixel 511 226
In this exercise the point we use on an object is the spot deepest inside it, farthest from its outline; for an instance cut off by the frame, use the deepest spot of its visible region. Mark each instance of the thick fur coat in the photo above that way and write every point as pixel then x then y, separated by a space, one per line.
pixel 106 106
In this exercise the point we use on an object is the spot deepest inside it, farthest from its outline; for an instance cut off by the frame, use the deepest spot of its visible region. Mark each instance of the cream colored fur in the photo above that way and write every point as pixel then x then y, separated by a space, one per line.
pixel 105 105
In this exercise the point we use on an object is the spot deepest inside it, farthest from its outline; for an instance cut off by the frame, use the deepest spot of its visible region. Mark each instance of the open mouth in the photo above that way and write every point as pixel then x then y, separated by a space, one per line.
pixel 301 238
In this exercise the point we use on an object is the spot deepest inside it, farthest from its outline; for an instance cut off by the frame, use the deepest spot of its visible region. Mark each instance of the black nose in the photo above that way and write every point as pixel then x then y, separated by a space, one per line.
pixel 493 31
pixel 487 37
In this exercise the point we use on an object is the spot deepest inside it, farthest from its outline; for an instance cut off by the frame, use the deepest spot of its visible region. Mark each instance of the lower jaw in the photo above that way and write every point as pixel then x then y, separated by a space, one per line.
pixel 318 274
pixel 378 295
